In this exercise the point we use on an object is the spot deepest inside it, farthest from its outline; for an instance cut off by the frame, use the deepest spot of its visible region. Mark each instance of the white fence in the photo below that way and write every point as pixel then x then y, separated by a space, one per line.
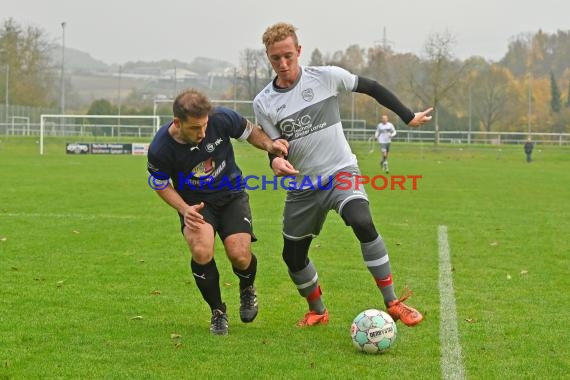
pixel 354 131
pixel 464 137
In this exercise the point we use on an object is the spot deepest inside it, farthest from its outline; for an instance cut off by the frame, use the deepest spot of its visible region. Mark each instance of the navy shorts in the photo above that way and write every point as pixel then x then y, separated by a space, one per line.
pixel 228 215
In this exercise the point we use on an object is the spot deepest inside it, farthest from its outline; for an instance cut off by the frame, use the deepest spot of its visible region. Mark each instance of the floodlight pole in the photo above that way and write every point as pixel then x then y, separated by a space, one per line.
pixel 235 86
pixel 175 89
pixel 62 100
pixel 470 108
pixel 529 103
pixel 7 88
pixel 119 95
pixel 5 52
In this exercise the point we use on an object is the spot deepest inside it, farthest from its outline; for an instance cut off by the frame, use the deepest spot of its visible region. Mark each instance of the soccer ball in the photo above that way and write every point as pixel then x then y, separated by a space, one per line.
pixel 373 331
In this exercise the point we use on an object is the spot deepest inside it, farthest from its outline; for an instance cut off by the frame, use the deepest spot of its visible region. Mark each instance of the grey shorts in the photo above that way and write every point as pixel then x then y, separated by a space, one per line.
pixel 306 210
pixel 385 147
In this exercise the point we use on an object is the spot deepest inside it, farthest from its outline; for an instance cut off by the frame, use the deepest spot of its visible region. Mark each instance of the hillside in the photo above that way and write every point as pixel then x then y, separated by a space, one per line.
pixel 90 79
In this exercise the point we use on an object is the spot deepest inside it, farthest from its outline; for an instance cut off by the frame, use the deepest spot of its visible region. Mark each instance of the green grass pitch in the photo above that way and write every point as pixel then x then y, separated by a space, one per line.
pixel 95 279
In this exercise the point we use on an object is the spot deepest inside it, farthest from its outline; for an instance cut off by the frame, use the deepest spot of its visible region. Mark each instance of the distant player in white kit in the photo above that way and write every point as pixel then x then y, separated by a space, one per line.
pixel 384 133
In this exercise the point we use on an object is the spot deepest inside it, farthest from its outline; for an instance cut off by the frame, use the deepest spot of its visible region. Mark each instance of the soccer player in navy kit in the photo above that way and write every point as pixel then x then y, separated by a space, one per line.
pixel 301 105
pixel 192 164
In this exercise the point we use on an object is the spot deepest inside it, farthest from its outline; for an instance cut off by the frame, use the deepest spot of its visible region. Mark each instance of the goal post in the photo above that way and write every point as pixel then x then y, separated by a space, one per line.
pixel 243 107
pixel 20 121
pixel 97 125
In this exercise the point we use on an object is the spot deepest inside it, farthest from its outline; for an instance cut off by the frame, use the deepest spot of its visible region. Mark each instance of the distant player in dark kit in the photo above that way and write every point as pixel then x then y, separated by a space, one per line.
pixel 528 147
pixel 301 105
pixel 195 148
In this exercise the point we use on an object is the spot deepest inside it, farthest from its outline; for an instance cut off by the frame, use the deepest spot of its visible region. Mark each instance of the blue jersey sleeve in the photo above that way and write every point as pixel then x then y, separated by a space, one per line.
pixel 159 156
pixel 234 123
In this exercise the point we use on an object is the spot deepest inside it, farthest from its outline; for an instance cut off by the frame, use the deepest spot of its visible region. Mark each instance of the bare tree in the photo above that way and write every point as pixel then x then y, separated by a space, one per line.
pixel 316 58
pixel 492 91
pixel 354 59
pixel 255 71
pixel 433 78
pixel 266 70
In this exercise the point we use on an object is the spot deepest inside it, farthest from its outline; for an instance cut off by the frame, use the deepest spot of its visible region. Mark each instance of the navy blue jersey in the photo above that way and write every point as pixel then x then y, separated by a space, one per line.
pixel 205 171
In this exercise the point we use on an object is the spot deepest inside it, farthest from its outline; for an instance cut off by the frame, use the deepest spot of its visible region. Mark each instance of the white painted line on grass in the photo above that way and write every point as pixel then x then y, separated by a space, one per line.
pixel 451 361
pixel 64 216
pixel 50 215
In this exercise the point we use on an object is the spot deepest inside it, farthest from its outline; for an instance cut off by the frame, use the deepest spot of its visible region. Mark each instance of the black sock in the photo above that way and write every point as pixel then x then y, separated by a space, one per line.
pixel 247 276
pixel 207 279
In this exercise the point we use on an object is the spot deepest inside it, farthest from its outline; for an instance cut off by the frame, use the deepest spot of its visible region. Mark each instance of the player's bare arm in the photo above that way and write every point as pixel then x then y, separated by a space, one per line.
pixel 282 167
pixel 192 217
pixel 259 139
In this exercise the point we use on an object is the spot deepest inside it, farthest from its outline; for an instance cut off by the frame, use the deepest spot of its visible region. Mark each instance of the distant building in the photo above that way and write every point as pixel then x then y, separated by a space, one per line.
pixel 180 74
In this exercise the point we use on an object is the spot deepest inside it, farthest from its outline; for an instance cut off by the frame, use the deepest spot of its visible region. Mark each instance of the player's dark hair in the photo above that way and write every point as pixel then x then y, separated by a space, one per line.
pixel 191 103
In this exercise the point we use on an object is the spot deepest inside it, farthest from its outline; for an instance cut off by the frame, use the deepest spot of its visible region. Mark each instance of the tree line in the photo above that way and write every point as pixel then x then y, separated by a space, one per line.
pixel 522 91
pixel 528 89
pixel 25 63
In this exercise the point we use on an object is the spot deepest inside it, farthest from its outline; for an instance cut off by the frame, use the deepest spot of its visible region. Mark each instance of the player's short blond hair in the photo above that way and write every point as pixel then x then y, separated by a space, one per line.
pixel 278 32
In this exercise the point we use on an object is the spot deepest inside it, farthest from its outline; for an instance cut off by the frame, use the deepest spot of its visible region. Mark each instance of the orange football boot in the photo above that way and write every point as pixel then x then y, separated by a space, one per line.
pixel 312 319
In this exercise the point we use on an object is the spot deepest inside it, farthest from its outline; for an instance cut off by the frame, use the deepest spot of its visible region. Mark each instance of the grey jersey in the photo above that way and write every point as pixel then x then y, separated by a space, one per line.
pixel 385 132
pixel 307 115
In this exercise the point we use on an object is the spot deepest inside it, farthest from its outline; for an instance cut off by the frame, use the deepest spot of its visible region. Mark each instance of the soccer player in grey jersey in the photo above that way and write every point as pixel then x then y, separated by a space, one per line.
pixel 384 133
pixel 301 106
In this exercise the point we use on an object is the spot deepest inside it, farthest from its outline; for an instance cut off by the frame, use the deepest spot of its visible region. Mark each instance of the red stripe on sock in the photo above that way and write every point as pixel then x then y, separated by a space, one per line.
pixel 382 283
pixel 315 294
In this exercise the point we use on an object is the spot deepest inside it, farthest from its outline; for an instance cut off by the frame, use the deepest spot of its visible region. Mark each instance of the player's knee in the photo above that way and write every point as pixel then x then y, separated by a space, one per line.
pixel 239 255
pixel 296 254
pixel 361 222
pixel 294 263
pixel 201 256
pixel 238 249
pixel 241 260
pixel 356 214
pixel 364 229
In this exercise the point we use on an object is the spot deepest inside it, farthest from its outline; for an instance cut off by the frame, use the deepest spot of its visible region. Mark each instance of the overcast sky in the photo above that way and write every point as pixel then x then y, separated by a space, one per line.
pixel 117 31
